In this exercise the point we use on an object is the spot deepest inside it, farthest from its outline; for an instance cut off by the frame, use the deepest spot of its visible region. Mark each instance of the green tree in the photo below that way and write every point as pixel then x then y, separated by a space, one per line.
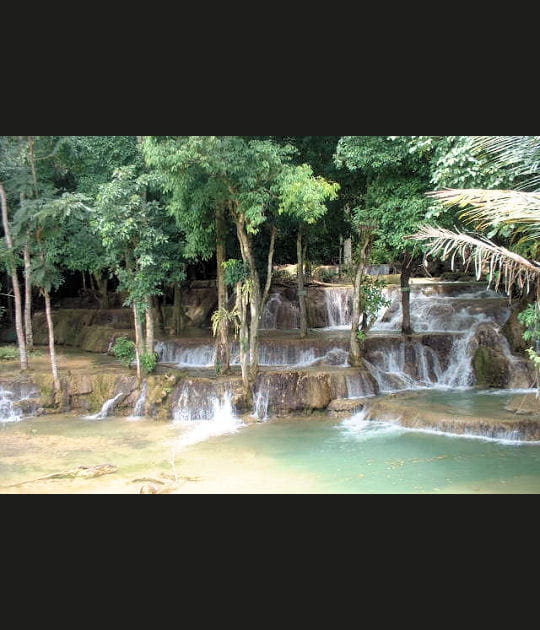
pixel 303 197
pixel 392 204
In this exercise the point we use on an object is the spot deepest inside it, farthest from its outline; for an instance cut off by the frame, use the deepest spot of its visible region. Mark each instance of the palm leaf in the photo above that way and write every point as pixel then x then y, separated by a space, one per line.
pixel 493 207
pixel 500 265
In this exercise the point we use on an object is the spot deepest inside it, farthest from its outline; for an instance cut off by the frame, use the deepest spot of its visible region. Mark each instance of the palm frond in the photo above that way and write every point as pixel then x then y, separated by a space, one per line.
pixel 493 207
pixel 499 264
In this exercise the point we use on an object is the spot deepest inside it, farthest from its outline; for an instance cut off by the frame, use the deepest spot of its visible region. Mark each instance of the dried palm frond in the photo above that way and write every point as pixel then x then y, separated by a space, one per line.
pixel 493 207
pixel 499 264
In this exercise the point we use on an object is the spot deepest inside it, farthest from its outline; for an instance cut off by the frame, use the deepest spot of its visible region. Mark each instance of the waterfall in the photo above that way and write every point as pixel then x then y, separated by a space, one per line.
pixel 359 386
pixel 138 410
pixel 262 400
pixel 459 372
pixel 404 366
pixel 203 414
pixel 280 314
pixel 290 355
pixel 8 412
pixel 186 355
pixel 366 425
pixel 107 408
pixel 434 313
pixel 339 307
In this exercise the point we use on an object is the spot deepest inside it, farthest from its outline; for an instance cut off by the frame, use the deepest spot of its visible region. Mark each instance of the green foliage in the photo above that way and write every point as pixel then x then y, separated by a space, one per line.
pixel 530 318
pixel 329 275
pixel 534 357
pixel 372 298
pixel 222 315
pixel 124 350
pixel 361 335
pixel 304 196
pixel 235 271
pixel 149 362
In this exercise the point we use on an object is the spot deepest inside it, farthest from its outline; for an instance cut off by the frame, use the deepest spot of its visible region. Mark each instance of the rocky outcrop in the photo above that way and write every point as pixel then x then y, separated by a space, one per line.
pixel 494 364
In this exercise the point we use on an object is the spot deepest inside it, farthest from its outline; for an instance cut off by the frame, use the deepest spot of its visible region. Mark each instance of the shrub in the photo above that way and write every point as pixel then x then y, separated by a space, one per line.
pixel 149 362
pixel 124 351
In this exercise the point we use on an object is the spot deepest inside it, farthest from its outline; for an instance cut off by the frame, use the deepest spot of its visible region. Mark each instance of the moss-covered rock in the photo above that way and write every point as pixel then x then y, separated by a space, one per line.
pixel 491 368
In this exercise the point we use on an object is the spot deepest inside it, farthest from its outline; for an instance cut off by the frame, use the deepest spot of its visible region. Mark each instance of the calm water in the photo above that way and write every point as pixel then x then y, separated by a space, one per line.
pixel 293 455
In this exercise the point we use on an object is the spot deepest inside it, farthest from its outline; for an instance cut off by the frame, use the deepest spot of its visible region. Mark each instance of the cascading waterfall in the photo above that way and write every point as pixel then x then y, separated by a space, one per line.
pixel 365 425
pixel 280 314
pixel 203 355
pixel 272 354
pixel 287 355
pixel 8 412
pixel 339 307
pixel 108 408
pixel 262 400
pixel 442 313
pixel 405 366
pixel 359 386
pixel 204 414
pixel 138 410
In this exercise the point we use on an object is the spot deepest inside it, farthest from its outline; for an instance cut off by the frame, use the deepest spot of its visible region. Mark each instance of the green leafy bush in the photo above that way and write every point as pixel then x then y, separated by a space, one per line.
pixel 149 362
pixel 530 318
pixel 124 351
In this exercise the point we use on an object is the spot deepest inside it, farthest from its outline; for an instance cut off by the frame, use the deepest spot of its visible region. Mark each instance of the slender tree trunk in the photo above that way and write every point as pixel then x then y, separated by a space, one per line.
pixel 179 316
pixel 406 271
pixel 19 327
pixel 28 297
pixel 301 285
pixel 242 307
pixel 52 349
pixel 139 340
pixel 160 315
pixel 356 344
pixel 358 302
pixel 150 337
pixel 254 302
pixel 223 352
pixel 255 296
pixel 270 270
pixel 102 284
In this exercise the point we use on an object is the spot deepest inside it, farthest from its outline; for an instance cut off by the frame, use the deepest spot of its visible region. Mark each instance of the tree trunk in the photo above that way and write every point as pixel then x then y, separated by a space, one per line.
pixel 139 340
pixel 242 299
pixel 358 302
pixel 356 344
pixel 254 297
pixel 52 349
pixel 270 270
pixel 19 327
pixel 223 353
pixel 150 337
pixel 28 298
pixel 179 316
pixel 102 284
pixel 406 271
pixel 160 315
pixel 301 286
